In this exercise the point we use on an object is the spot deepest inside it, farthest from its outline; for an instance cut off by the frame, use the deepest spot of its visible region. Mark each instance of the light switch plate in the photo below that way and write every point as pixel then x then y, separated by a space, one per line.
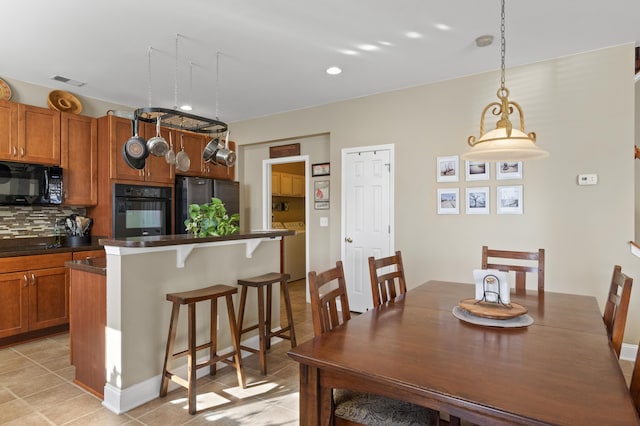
pixel 324 221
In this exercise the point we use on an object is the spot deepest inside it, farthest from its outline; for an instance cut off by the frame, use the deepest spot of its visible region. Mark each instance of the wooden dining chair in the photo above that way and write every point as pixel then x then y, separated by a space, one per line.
pixel 634 387
pixel 384 281
pixel 330 308
pixel 616 307
pixel 519 266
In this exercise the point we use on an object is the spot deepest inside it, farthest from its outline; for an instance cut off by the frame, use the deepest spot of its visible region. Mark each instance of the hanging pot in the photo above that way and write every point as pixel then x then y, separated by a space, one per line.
pixel 217 153
pixel 136 146
pixel 132 162
pixel 157 145
pixel 183 162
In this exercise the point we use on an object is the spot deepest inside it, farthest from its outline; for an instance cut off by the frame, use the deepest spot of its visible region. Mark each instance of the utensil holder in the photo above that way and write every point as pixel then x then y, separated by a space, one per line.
pixel 78 240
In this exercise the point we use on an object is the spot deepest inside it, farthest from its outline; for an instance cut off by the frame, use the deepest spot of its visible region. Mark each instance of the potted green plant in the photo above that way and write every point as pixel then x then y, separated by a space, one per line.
pixel 211 220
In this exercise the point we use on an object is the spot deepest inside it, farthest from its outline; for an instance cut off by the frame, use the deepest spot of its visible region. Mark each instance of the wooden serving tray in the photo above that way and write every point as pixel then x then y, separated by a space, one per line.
pixel 492 310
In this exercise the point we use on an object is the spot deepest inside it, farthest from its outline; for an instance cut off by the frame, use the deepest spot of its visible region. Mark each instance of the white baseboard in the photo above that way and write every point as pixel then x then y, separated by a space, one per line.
pixel 122 400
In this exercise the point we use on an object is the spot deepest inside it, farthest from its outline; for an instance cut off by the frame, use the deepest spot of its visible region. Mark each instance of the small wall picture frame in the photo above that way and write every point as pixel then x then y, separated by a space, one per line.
pixel 477 200
pixel 448 201
pixel 321 169
pixel 509 199
pixel 508 170
pixel 321 190
pixel 477 170
pixel 321 205
pixel 448 169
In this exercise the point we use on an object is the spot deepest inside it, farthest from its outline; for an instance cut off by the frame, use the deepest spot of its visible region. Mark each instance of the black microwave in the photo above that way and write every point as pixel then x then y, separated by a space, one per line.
pixel 22 183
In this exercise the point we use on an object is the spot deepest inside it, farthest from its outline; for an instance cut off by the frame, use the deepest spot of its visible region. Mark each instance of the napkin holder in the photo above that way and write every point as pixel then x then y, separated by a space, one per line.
pixel 492 286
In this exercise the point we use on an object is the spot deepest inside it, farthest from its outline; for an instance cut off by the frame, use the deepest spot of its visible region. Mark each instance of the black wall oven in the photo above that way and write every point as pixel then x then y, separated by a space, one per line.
pixel 141 210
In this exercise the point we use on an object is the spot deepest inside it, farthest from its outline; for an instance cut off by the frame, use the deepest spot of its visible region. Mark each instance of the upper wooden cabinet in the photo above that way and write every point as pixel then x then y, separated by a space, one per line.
pixel 79 159
pixel 287 184
pixel 156 168
pixel 29 134
pixel 194 145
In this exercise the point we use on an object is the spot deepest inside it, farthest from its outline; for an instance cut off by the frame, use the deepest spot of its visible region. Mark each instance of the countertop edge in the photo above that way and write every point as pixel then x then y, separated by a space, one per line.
pixel 180 239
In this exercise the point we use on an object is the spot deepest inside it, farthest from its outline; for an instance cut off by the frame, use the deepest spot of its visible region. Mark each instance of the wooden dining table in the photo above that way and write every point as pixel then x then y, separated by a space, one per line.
pixel 559 370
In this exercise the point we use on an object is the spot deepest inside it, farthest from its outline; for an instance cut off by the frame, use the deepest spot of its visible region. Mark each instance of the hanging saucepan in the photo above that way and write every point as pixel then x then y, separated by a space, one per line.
pixel 217 153
pixel 132 162
pixel 157 145
pixel 183 162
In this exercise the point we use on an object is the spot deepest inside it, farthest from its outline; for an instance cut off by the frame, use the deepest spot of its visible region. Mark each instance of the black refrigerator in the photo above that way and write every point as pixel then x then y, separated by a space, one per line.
pixel 197 190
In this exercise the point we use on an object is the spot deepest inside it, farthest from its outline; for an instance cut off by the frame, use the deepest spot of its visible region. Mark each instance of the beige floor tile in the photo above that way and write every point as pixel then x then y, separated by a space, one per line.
pixel 36 384
pixel 14 410
pixel 100 417
pixel 33 419
pixel 53 396
pixel 6 396
pixel 71 409
pixel 27 372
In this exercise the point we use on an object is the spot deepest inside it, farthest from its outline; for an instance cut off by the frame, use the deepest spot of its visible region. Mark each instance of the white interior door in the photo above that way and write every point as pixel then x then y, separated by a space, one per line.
pixel 368 213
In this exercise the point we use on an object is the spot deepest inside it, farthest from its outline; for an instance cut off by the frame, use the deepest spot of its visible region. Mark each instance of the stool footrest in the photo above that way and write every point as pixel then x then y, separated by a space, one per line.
pixel 186 351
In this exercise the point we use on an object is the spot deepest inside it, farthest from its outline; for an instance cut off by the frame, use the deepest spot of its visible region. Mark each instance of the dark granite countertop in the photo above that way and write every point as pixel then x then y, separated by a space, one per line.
pixel 28 246
pixel 171 240
pixel 96 265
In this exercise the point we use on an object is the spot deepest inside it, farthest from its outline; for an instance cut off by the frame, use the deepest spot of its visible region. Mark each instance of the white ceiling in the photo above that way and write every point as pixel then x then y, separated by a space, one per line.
pixel 273 53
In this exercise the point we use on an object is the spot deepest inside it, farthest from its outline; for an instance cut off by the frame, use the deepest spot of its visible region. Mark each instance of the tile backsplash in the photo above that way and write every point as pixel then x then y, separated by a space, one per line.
pixel 32 221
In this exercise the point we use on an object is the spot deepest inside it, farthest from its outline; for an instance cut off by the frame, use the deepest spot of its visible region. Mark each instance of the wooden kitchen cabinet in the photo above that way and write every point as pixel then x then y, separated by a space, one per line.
pixel 35 293
pixel 29 134
pixel 275 183
pixel 79 159
pixel 194 144
pixel 287 184
pixel 156 168
pixel 297 185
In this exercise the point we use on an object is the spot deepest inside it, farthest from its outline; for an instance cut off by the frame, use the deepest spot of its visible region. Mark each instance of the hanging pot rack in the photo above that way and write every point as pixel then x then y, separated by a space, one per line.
pixel 177 119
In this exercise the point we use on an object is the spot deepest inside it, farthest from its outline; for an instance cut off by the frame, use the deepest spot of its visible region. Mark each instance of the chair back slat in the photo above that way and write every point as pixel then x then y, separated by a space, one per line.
pixel 617 306
pixel 386 285
pixel 519 269
pixel 329 300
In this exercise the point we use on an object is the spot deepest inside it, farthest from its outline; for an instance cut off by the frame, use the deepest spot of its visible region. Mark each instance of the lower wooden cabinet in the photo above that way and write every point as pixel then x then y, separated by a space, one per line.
pixel 36 297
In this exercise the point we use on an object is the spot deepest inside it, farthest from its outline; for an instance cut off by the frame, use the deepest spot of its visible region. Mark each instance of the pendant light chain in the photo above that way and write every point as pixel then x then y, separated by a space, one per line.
pixel 149 75
pixel 503 48
pixel 175 82
pixel 217 80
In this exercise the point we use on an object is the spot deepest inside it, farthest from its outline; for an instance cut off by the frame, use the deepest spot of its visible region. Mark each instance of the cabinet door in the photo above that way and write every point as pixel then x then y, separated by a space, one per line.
pixel 157 169
pixel 275 183
pixel 8 130
pixel 48 298
pixel 79 161
pixel 38 135
pixel 193 144
pixel 286 184
pixel 298 185
pixel 119 134
pixel 14 293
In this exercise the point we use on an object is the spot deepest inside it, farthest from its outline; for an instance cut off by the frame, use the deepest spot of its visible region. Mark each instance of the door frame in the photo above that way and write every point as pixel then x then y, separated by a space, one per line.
pixel 266 197
pixel 392 188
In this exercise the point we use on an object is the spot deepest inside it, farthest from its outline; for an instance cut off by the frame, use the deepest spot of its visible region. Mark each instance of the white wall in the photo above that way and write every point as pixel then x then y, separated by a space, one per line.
pixel 582 109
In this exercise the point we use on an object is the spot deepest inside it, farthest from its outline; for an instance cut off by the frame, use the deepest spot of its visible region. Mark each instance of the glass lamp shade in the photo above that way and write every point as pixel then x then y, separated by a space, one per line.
pixel 495 146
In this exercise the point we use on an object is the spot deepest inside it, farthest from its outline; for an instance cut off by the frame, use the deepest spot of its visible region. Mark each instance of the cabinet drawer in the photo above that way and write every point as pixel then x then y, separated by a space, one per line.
pixel 39 261
pixel 88 254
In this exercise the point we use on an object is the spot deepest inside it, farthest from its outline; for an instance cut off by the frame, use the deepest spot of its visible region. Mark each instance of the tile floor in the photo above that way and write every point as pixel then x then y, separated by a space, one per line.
pixel 36 388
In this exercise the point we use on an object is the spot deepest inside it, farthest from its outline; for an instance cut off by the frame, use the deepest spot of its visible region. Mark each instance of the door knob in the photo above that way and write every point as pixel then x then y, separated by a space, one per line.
pixel 348 239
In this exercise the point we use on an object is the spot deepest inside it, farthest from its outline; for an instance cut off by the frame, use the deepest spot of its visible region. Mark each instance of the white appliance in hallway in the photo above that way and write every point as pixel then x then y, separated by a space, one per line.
pixel 294 249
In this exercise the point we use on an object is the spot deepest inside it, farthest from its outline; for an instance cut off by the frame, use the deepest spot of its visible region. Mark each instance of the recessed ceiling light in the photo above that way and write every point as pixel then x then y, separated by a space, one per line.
pixel 443 27
pixel 349 52
pixel 334 70
pixel 413 34
pixel 186 107
pixel 385 43
pixel 368 47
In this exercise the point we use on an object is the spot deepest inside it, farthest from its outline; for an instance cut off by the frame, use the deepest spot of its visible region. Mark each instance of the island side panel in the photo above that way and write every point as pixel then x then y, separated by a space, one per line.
pixel 138 313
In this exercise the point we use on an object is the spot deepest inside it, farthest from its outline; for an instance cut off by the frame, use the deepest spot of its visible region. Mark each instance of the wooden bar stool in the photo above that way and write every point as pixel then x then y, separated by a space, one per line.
pixel 190 298
pixel 264 321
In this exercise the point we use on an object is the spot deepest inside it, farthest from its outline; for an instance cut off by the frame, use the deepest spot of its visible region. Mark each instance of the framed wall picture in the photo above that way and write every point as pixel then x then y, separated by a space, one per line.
pixel 321 190
pixel 448 169
pixel 321 169
pixel 509 199
pixel 477 200
pixel 448 201
pixel 509 170
pixel 477 170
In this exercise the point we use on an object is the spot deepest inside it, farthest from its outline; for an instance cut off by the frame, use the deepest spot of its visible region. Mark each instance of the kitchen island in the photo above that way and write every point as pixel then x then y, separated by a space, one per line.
pixel 140 271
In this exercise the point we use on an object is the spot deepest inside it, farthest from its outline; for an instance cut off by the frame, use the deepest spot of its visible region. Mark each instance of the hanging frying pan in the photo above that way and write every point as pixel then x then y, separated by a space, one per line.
pixel 132 162
pixel 183 162
pixel 218 153
pixel 157 145
pixel 136 146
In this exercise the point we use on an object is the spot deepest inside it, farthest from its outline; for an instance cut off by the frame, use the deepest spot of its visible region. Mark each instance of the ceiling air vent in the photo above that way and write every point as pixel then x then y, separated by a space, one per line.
pixel 68 80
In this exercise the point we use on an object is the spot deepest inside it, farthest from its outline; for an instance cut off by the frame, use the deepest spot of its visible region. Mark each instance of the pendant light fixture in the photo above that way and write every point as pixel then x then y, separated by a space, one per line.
pixel 504 143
